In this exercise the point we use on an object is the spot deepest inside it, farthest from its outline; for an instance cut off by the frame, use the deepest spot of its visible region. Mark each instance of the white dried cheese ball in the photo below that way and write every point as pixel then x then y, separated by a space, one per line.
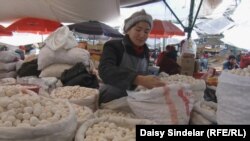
pixel 19 110
pixel 2 92
pixel 34 121
pixel 11 90
pixel 25 110
pixel 19 116
pixel 7 124
pixel 241 72
pixel 11 118
pixel 10 106
pixel 73 92
pixel 5 101
pixel 16 122
pixel 1 109
pixel 11 112
pixel 43 116
pixel 26 121
pixel 37 109
pixel 109 131
pixel 16 104
pixel 28 110
pixel 29 103
pixel 4 116
pixel 26 116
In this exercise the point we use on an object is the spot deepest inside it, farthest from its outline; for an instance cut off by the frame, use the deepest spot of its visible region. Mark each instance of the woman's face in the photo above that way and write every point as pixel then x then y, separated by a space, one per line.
pixel 138 34
pixel 232 61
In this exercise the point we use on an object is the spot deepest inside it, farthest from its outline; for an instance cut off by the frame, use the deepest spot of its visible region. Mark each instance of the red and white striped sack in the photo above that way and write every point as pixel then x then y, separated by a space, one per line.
pixel 170 104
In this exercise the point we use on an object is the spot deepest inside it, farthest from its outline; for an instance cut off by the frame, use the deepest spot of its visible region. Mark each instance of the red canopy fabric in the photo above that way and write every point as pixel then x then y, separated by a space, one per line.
pixel 4 32
pixel 34 25
pixel 163 29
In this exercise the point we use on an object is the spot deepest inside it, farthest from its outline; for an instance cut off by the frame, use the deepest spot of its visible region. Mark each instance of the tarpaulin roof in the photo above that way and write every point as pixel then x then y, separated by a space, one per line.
pixel 213 26
pixel 65 11
pixel 68 11
pixel 238 35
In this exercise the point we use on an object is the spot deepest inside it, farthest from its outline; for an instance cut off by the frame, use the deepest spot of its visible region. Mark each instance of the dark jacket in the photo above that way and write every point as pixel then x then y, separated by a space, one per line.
pixel 169 65
pixel 111 58
pixel 29 69
pixel 228 66
pixel 78 75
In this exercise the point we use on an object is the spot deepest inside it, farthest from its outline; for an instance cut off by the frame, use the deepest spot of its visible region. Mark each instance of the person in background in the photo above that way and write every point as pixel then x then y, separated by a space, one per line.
pixel 210 94
pixel 204 61
pixel 167 61
pixel 245 60
pixel 170 50
pixel 3 48
pixel 231 63
pixel 211 72
pixel 124 63
pixel 20 53
pixel 83 44
pixel 238 57
pixel 180 46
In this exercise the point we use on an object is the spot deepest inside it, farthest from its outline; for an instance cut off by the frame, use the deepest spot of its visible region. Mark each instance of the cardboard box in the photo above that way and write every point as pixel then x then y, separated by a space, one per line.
pixel 187 65
pixel 196 65
pixel 184 72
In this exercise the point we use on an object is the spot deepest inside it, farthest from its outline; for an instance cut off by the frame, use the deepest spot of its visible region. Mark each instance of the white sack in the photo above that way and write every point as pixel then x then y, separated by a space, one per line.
pixel 189 47
pixel 171 104
pixel 120 104
pixel 7 81
pixel 8 66
pixel 120 122
pixel 113 113
pixel 72 56
pixel 90 99
pixel 54 70
pixel 8 56
pixel 198 119
pixel 207 110
pixel 62 130
pixel 19 64
pixel 46 83
pixel 61 38
pixel 9 74
pixel 83 114
pixel 233 99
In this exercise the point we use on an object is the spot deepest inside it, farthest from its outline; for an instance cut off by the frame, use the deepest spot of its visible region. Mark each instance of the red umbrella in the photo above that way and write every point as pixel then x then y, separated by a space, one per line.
pixel 4 32
pixel 34 25
pixel 162 29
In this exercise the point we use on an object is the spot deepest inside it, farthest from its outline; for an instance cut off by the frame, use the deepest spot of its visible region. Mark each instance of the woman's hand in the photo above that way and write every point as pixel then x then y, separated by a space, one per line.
pixel 148 81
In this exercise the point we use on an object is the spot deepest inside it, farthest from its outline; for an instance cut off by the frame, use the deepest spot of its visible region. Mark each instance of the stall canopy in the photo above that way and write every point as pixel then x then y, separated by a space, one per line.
pixel 4 31
pixel 65 11
pixel 34 25
pixel 68 11
pixel 214 26
pixel 163 29
pixel 238 35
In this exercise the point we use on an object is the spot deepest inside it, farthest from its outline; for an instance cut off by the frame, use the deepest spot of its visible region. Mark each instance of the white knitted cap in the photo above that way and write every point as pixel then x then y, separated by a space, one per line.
pixel 137 17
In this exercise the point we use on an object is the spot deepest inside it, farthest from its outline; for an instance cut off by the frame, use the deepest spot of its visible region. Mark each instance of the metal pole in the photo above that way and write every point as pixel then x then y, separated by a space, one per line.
pixel 196 16
pixel 190 18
